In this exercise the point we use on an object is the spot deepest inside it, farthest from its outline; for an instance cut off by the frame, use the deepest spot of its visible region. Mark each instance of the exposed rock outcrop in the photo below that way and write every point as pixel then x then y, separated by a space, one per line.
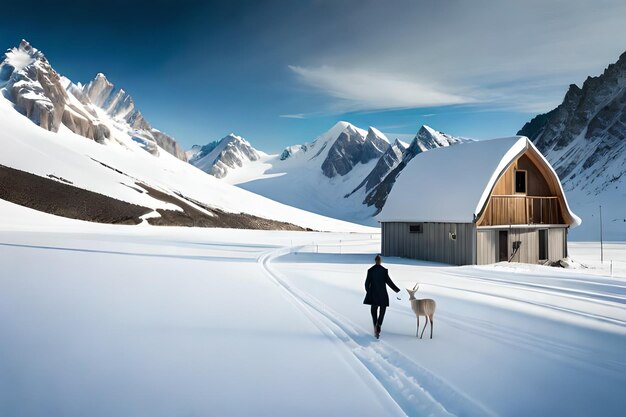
pixel 38 92
pixel 387 162
pixel 49 100
pixel 351 148
pixel 584 138
pixel 219 157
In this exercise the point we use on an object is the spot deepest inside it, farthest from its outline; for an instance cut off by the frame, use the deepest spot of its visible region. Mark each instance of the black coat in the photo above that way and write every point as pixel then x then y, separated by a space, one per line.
pixel 375 286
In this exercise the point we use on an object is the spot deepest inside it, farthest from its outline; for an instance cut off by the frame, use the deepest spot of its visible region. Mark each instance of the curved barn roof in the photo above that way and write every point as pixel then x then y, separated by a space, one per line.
pixel 453 184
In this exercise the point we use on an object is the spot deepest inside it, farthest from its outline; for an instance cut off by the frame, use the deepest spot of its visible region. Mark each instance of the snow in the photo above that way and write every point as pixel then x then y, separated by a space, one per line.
pixel 206 162
pixel 19 59
pixel 298 181
pixel 379 134
pixel 461 186
pixel 108 320
pixel 27 147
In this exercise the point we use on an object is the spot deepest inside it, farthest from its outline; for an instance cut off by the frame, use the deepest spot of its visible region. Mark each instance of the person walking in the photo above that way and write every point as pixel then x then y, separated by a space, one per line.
pixel 376 293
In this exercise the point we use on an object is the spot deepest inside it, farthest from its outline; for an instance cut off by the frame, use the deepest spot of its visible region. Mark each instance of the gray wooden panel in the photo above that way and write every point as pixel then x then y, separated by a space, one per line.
pixel 556 243
pixel 433 244
pixel 486 246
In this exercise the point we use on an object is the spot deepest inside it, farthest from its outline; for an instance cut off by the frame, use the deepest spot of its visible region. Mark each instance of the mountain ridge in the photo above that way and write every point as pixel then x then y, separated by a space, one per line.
pixel 343 173
pixel 96 111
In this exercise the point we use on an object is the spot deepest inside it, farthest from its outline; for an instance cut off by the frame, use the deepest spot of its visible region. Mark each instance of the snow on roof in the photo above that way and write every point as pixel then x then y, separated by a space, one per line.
pixel 453 184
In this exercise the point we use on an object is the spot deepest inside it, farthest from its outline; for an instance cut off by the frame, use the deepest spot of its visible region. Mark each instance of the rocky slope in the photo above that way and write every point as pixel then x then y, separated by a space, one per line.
pixel 584 138
pixel 96 111
pixel 219 157
pixel 386 163
pixel 351 148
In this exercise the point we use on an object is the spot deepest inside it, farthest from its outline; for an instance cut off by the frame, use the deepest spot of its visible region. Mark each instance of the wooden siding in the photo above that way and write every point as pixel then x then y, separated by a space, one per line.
pixel 535 180
pixel 433 244
pixel 543 202
pixel 488 245
pixel 557 244
pixel 521 209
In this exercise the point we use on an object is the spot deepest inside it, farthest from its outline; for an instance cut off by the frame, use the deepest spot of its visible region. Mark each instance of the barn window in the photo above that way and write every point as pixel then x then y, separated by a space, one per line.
pixel 416 228
pixel 520 182
pixel 543 244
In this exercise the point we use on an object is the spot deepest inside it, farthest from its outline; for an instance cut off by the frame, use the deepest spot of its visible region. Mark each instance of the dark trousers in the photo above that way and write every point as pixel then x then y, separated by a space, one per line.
pixel 377 318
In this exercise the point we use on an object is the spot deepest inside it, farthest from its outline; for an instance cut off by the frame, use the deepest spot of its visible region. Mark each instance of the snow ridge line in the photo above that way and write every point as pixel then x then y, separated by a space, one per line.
pixel 413 388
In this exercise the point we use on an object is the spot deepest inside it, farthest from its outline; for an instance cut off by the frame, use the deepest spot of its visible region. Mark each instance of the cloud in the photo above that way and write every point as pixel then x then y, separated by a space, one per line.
pixel 293 116
pixel 363 90
pixel 503 54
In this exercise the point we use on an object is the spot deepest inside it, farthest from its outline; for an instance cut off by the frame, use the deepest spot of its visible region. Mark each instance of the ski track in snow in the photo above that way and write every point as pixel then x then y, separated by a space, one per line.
pixel 416 390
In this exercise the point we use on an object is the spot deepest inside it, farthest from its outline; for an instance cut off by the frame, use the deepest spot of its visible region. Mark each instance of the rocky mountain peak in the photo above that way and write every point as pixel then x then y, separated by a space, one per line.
pixel 49 100
pixel 34 86
pixel 219 157
pixel 583 137
pixel 398 144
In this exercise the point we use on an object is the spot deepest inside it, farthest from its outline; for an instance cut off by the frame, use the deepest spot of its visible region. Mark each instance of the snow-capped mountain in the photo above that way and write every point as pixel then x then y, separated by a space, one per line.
pixel 314 176
pixel 426 138
pixel 584 138
pixel 343 173
pixel 96 111
pixel 352 148
pixel 48 164
pixel 219 157
pixel 120 106
pixel 387 162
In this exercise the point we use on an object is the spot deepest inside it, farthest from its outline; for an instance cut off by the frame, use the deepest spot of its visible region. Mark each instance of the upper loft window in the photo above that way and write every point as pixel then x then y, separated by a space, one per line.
pixel 416 228
pixel 520 182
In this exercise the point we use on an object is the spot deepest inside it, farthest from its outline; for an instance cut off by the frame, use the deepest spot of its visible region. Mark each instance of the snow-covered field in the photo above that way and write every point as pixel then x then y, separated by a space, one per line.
pixel 105 320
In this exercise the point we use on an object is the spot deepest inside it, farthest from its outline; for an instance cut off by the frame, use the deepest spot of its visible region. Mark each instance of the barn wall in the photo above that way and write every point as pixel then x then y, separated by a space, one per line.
pixel 557 243
pixel 542 203
pixel 537 184
pixel 487 244
pixel 433 244
pixel 529 251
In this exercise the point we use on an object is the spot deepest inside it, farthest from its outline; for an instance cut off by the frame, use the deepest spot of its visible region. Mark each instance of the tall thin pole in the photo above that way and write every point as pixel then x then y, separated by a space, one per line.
pixel 601 242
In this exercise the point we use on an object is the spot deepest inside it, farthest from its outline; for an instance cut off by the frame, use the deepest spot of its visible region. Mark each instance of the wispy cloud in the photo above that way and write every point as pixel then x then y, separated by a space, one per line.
pixel 293 116
pixel 361 90
pixel 488 60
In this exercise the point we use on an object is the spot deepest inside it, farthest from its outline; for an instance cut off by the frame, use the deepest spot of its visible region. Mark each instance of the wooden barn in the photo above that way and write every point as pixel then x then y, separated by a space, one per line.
pixel 478 203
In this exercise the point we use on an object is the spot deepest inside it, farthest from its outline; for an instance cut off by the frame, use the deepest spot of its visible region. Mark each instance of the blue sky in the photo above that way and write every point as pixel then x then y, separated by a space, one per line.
pixel 282 72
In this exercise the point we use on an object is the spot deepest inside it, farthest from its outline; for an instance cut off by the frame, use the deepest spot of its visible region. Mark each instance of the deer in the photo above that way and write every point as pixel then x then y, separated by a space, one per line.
pixel 425 307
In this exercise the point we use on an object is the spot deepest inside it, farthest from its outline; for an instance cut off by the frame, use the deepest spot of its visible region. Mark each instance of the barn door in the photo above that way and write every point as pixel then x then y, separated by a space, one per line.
pixel 503 246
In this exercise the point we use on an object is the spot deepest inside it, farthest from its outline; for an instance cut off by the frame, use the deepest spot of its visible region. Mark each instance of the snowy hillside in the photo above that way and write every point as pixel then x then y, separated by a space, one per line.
pixel 91 155
pixel 584 139
pixel 102 320
pixel 343 173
